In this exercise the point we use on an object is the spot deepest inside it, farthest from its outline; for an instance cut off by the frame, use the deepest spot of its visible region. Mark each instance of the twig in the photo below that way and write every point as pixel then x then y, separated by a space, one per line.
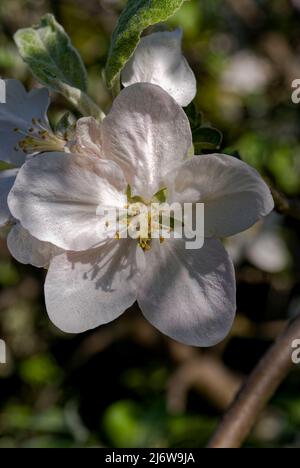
pixel 247 10
pixel 209 376
pixel 281 54
pixel 285 205
pixel 257 391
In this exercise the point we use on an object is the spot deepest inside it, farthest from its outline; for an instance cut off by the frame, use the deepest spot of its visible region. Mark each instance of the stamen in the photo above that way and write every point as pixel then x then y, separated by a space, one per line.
pixel 39 138
pixel 155 227
pixel 145 244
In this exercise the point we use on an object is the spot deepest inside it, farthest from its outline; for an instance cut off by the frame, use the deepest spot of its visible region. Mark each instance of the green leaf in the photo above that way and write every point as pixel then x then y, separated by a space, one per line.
pixel 207 138
pixel 48 51
pixel 66 124
pixel 53 60
pixel 135 18
pixel 195 117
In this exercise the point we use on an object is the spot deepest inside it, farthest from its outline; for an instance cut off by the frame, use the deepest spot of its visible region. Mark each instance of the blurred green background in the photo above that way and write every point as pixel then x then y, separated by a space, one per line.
pixel 125 385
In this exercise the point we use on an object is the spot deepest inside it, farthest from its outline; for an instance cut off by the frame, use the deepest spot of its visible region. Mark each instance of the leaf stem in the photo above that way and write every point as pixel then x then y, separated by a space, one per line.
pixel 81 101
pixel 116 88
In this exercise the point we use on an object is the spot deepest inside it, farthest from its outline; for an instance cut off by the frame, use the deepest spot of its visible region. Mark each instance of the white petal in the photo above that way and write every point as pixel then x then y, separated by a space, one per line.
pixel 158 59
pixel 18 111
pixel 7 179
pixel 189 294
pixel 87 139
pixel 147 134
pixel 234 194
pixel 28 250
pixel 85 290
pixel 56 197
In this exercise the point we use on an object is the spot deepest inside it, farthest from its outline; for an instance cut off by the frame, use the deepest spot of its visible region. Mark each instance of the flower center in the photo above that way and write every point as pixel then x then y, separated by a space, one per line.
pixel 144 221
pixel 39 138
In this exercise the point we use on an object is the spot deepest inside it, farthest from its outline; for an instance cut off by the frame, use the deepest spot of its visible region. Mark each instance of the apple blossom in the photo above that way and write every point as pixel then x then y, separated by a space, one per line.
pixel 25 131
pixel 262 245
pixel 158 60
pixel 24 126
pixel 143 143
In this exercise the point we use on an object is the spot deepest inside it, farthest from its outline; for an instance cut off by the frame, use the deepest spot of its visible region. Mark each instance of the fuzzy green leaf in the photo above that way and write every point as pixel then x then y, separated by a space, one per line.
pixel 135 18
pixel 48 51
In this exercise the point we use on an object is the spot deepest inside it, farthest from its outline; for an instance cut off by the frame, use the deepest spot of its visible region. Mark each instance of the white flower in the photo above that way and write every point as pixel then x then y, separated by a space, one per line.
pixel 246 73
pixel 24 132
pixel 262 245
pixel 24 126
pixel 158 59
pixel 144 142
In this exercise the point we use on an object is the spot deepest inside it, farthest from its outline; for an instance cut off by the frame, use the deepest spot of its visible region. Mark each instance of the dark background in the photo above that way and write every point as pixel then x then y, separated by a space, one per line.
pixel 125 385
